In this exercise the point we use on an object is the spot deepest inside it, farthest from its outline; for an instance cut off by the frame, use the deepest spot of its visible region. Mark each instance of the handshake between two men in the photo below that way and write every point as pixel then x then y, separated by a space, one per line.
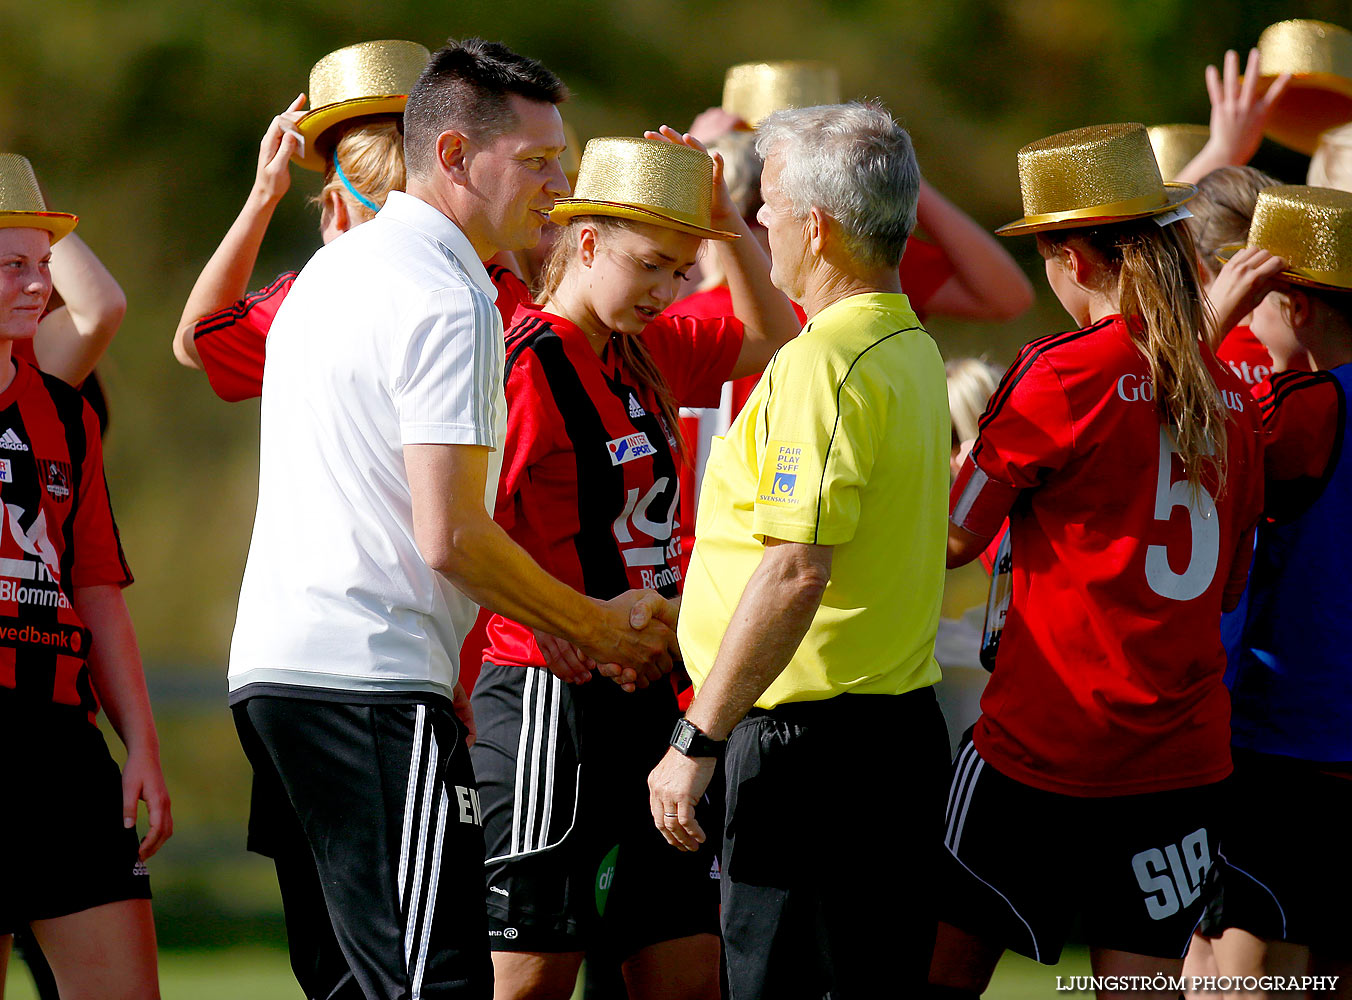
pixel 636 644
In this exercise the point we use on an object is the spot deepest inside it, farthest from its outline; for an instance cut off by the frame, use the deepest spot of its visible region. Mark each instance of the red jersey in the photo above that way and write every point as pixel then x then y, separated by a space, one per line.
pixel 589 485
pixel 1301 432
pixel 58 536
pixel 1109 680
pixel 232 342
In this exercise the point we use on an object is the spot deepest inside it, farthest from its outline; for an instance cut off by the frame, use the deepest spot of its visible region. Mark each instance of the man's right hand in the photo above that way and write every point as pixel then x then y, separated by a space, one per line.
pixel 636 644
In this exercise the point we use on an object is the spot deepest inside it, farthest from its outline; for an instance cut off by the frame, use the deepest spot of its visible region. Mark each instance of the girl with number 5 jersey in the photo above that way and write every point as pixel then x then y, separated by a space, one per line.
pixel 1128 462
pixel 590 488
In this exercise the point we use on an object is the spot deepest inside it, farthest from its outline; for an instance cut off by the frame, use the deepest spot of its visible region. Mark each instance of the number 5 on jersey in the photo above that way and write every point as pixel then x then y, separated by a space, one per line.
pixel 1204 530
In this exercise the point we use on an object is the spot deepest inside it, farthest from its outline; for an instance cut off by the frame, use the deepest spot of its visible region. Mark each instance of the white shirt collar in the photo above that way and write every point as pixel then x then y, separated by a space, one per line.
pixel 417 214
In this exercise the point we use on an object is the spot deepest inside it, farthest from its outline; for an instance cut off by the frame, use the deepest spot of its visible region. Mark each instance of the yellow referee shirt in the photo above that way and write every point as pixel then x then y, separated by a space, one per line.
pixel 845 442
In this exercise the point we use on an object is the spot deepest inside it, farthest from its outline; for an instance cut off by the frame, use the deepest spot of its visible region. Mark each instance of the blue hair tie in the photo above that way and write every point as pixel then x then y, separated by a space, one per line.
pixel 338 169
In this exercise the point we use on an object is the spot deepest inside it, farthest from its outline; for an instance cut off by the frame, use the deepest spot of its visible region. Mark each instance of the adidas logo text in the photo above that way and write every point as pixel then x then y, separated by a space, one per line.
pixel 11 441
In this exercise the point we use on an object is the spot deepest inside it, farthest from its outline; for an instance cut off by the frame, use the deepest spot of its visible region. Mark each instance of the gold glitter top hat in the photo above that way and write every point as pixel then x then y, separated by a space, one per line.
pixel 1308 227
pixel 1318 55
pixel 1091 176
pixel 644 180
pixel 21 203
pixel 754 91
pixel 370 78
pixel 1176 145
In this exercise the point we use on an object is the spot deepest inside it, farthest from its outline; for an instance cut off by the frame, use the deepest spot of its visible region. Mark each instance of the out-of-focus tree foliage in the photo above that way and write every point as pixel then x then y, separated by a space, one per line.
pixel 143 116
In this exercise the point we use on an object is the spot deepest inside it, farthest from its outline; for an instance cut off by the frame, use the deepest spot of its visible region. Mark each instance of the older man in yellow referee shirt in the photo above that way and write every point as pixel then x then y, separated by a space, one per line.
pixel 810 611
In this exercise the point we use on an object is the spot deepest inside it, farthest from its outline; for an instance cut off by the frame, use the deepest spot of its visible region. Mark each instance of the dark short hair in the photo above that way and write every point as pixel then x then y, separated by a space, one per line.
pixel 467 86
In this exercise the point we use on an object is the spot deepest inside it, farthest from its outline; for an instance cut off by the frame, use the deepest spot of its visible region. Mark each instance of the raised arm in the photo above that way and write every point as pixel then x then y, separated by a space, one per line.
pixel 766 314
pixel 72 337
pixel 225 279
pixel 987 283
pixel 1238 116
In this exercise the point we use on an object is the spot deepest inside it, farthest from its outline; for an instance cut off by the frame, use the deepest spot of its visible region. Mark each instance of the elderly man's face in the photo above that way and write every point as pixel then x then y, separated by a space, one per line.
pixel 788 242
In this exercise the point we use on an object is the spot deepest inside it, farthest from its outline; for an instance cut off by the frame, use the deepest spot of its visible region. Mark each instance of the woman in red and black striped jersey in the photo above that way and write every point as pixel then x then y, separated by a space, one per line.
pixel 590 489
pixel 1128 462
pixel 78 876
pixel 355 135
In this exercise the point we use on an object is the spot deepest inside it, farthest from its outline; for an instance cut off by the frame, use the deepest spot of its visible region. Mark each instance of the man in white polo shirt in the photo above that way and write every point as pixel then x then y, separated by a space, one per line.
pixel 383 411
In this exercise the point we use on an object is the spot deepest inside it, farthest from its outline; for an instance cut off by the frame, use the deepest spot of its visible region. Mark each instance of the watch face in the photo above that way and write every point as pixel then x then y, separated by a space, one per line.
pixel 685 734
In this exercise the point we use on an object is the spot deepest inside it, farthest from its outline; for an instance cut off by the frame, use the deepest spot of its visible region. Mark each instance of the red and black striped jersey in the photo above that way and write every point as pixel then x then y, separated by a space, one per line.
pixel 1109 680
pixel 589 482
pixel 232 342
pixel 58 536
pixel 1302 429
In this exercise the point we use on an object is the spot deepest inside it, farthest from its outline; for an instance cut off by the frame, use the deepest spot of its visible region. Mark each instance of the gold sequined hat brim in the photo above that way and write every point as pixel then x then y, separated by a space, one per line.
pixel 59 224
pixel 569 208
pixel 313 126
pixel 1296 276
pixel 1175 194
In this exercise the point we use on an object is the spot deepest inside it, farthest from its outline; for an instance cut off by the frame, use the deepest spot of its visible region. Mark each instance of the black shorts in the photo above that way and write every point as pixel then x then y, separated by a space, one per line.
pixel 384 798
pixel 1285 867
pixel 1020 864
pixel 833 820
pixel 574 861
pixel 65 847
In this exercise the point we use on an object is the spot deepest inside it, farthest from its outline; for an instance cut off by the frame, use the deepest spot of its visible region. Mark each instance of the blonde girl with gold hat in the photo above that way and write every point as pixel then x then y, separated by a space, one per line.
pixel 590 488
pixel 353 134
pixel 69 649
pixel 1128 462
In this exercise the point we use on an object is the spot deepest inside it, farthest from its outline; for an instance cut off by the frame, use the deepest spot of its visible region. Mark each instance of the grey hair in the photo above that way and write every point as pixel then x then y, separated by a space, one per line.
pixel 854 163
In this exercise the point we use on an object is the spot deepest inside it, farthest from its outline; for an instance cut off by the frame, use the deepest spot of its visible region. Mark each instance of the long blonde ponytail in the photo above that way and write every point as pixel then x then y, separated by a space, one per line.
pixel 1159 296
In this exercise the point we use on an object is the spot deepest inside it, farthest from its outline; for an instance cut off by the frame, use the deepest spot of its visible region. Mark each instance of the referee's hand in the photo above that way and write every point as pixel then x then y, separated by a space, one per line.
pixel 143 781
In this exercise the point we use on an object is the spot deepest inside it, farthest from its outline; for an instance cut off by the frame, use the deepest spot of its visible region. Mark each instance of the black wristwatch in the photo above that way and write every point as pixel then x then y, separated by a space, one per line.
pixel 688 740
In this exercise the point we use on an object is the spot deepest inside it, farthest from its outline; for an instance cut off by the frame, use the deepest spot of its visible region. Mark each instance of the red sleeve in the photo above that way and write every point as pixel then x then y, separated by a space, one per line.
pixel 924 270
pixel 1303 414
pixel 695 356
pixel 512 292
pixel 1239 572
pixel 98 548
pixel 533 424
pixel 1025 434
pixel 232 341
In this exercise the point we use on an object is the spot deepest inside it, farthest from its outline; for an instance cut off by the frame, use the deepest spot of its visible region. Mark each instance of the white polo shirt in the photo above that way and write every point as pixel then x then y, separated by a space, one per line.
pixel 389 337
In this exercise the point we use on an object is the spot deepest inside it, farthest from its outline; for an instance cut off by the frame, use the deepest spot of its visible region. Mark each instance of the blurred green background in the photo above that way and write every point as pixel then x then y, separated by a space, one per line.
pixel 143 116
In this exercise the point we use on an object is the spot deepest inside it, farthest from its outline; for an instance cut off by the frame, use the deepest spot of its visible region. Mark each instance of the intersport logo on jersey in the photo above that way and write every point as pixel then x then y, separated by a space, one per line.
pixel 626 449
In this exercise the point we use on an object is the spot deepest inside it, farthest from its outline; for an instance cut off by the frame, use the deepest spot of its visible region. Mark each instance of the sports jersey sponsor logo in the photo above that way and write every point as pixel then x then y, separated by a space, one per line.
pixel 627 449
pixel 1233 400
pixel 42 597
pixel 65 638
pixel 1134 388
pixel 779 473
pixel 1172 878
pixel 657 579
pixel 635 517
pixel 6 471
pixel 56 477
pixel 11 441
pixel 1249 376
pixel 34 541
pixel 636 409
